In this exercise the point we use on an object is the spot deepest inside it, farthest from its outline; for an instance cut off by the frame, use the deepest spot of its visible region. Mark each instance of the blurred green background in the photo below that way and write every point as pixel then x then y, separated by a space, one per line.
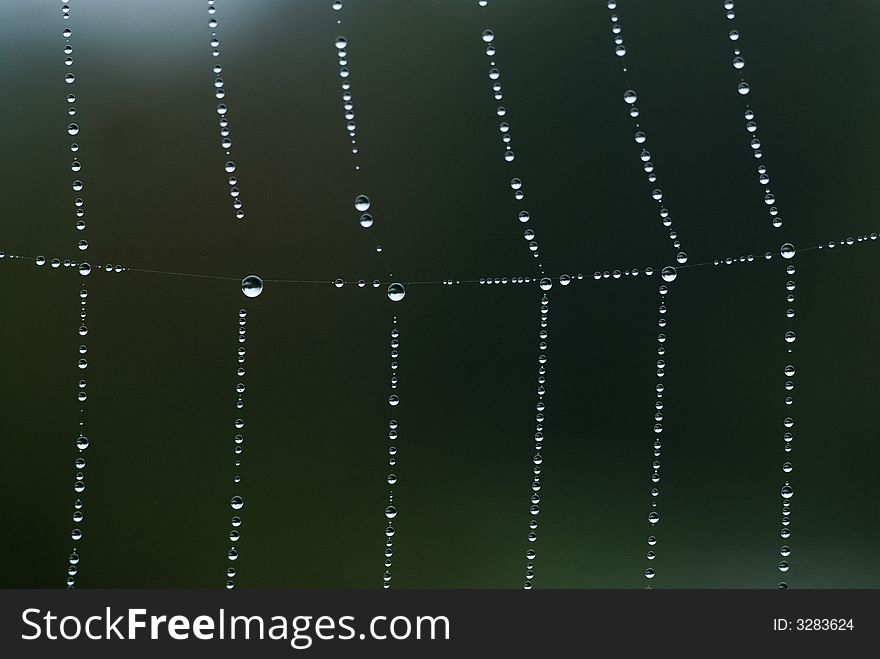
pixel 161 349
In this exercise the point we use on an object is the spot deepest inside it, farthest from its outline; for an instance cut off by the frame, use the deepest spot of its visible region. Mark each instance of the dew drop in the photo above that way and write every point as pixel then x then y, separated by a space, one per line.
pixel 237 503
pixel 787 251
pixel 488 36
pixel 546 284
pixel 362 203
pixel 743 88
pixel 668 273
pixel 396 292
pixel 251 286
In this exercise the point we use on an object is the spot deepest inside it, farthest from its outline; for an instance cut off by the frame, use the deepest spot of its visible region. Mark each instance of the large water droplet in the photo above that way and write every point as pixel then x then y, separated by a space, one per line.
pixel 630 96
pixel 546 284
pixel 787 251
pixel 668 273
pixel 488 36
pixel 396 292
pixel 251 286
pixel 236 502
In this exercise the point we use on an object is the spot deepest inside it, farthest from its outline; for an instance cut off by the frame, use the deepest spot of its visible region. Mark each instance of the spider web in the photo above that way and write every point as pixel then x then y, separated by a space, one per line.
pixel 162 347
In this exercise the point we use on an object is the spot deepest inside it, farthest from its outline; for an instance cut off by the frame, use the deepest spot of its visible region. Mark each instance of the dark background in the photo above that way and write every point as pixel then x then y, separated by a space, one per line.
pixel 161 348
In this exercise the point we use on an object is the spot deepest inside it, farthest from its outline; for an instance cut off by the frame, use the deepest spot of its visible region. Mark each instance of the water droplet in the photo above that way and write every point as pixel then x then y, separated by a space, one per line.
pixel 396 292
pixel 393 401
pixel 73 129
pixel 85 269
pixel 362 203
pixel 787 492
pixel 630 96
pixel 653 517
pixel 366 220
pixel 546 284
pixel 488 36
pixel 743 88
pixel 668 273
pixel 391 512
pixel 734 35
pixel 236 502
pixel 787 251
pixel 251 286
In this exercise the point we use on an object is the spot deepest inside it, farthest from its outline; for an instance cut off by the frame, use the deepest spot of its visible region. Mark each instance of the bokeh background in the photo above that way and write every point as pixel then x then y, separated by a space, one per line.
pixel 161 349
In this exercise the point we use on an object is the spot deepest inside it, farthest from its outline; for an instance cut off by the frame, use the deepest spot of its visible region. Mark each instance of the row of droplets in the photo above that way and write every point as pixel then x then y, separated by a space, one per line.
pixel 630 97
pixel 786 492
pixel 362 202
pixel 516 183
pixel 743 88
pixel 341 44
pixel 237 501
pixel 659 390
pixel 229 166
pixel 538 458
pixel 393 402
pixel 787 252
pixel 82 363
pixel 253 285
